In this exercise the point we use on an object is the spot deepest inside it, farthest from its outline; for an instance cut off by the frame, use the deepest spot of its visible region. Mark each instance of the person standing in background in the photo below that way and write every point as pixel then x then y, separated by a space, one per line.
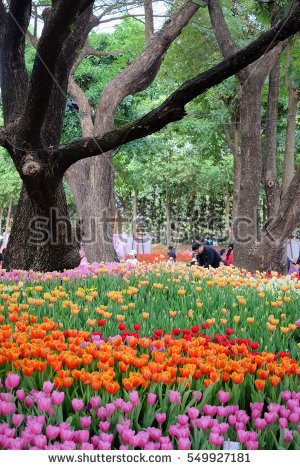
pixel 171 255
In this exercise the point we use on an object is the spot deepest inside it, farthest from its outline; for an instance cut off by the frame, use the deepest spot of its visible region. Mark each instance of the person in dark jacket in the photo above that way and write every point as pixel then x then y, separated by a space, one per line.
pixel 171 255
pixel 207 256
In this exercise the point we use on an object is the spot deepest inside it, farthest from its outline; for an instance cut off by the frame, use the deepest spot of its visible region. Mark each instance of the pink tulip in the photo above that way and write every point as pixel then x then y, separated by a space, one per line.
pixel 215 439
pixel 283 422
pixel 12 381
pixel 155 433
pixel 66 435
pixel 151 398
pixel 20 394
pixel 183 443
pixel 95 402
pixel 87 446
pixel 52 432
pixel 57 398
pixel 286 395
pixel 204 422
pixel 292 404
pixel 40 441
pixel 251 445
pixel 288 435
pixel 134 398
pixel 44 404
pixel 104 425
pixel 294 418
pixel 260 423
pixel 8 408
pixel 77 404
pixel 199 395
pixel 102 413
pixel 222 411
pixel 193 412
pixel 270 417
pixel 110 407
pixel 29 402
pixel 127 407
pixel 223 396
pixel 48 387
pixel 175 396
pixel 17 420
pixel 223 428
pixel 231 420
pixel 85 421
pixel 160 417
pixel 182 419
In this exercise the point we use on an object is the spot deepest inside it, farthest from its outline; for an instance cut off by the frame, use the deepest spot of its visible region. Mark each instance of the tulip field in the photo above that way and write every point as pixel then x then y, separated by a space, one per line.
pixel 158 357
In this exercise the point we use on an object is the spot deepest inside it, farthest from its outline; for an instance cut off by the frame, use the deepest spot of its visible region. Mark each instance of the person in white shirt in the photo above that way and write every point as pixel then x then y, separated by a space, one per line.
pixel 133 259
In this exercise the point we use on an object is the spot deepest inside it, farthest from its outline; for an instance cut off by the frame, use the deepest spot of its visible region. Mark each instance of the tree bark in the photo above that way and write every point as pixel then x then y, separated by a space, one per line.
pixel 8 216
pixel 272 187
pixel 1 215
pixel 289 153
pixel 168 218
pixel 135 213
pixel 227 210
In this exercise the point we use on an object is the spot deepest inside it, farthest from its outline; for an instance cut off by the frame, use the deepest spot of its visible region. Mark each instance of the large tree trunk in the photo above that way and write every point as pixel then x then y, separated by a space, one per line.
pixel 245 226
pixel 97 223
pixel 42 237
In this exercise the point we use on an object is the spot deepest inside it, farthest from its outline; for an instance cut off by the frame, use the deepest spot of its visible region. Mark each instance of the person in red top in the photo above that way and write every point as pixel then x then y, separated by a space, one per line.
pixel 229 254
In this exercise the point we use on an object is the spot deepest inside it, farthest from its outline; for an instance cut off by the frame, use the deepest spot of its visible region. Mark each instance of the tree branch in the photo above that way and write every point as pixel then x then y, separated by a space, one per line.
pixel 141 73
pixel 56 30
pixel 173 107
pixel 85 110
pixel 14 85
pixel 149 24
